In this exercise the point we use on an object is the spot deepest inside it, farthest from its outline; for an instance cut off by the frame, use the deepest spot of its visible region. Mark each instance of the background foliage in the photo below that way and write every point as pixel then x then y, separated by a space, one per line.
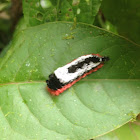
pixel 52 33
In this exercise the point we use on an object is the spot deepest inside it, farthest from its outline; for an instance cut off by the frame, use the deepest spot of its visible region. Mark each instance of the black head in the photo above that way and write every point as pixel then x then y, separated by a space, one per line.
pixel 53 82
pixel 105 58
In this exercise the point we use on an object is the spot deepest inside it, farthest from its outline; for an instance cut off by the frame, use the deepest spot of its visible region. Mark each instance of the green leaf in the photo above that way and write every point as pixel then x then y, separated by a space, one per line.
pixel 101 102
pixel 125 15
pixel 41 11
pixel 129 131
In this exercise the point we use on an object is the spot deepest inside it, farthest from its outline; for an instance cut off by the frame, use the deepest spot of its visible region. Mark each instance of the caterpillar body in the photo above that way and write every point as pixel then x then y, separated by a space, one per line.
pixel 64 77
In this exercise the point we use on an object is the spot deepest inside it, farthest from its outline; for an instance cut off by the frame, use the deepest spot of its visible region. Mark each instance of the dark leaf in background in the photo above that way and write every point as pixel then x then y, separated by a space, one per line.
pixel 125 14
pixel 41 11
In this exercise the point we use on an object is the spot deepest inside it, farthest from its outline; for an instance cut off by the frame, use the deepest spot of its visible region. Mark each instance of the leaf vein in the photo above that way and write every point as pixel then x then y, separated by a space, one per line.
pixel 35 116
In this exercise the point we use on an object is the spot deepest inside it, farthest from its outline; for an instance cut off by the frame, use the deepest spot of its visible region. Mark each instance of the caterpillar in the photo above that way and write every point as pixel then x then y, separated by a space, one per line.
pixel 64 77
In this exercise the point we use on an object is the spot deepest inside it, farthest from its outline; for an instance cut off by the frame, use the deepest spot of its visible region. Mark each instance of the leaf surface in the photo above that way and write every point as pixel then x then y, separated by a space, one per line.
pixel 131 129
pixel 101 102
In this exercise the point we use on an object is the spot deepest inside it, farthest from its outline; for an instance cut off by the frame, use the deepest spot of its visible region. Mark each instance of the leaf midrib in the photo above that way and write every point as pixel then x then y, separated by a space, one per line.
pixel 32 82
